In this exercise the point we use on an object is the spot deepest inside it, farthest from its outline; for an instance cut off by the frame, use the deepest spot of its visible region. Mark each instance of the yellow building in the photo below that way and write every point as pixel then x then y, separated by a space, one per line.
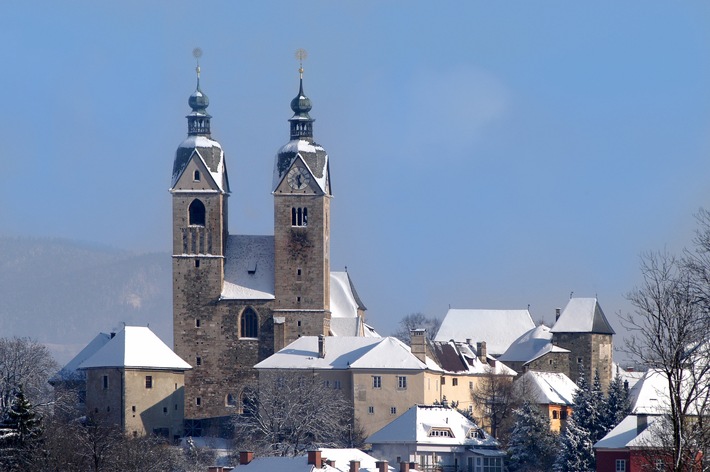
pixel 383 377
pixel 137 382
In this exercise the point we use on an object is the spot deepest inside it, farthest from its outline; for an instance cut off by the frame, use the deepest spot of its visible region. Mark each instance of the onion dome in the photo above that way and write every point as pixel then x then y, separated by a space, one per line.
pixel 198 122
pixel 301 121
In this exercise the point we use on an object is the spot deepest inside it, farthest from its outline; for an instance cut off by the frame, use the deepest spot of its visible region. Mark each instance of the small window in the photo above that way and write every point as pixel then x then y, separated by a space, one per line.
pixel 326 383
pixel 376 381
pixel 133 408
pixel 165 410
pixel 299 216
pixel 393 410
pixel 298 299
pixel 108 408
pixel 443 380
pixel 148 381
pixel 230 401
pixel 336 385
pixel 299 323
pixel 198 401
pixel 298 272
pixel 196 176
pixel 370 410
pixel 198 360
pixel 176 407
pixel 549 361
pixel 579 360
pixel 621 465
pixel 470 385
pixel 401 382
pixel 555 415
pixel 197 323
pixel 197 263
pixel 454 382
pixel 105 382
pixel 249 324
pixel 563 415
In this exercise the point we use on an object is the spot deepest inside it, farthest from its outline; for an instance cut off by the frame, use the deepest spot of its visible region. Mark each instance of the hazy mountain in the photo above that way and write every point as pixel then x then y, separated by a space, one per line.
pixel 63 293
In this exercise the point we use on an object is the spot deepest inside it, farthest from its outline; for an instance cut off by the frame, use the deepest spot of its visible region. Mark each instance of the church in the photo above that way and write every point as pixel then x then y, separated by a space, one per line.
pixel 237 299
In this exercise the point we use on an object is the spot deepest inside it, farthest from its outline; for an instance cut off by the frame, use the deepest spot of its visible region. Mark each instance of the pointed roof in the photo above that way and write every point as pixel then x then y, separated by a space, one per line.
pixel 582 315
pixel 530 346
pixel 498 328
pixel 135 347
pixel 416 425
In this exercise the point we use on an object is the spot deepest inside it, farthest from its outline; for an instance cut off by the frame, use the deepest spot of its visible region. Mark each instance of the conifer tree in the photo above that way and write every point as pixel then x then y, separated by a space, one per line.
pixel 576 453
pixel 532 445
pixel 22 433
pixel 617 403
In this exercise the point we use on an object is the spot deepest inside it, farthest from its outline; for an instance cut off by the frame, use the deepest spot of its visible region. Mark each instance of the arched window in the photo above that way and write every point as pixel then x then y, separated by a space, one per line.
pixel 554 414
pixel 197 213
pixel 230 401
pixel 196 176
pixel 250 324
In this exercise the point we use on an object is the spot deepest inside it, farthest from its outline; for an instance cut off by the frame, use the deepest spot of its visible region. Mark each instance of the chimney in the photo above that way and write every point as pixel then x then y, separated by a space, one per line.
pixel 330 462
pixel 417 339
pixel 314 458
pixel 412 465
pixel 468 341
pixel 321 346
pixel 482 352
pixel 279 333
pixel 381 466
pixel 557 314
pixel 245 457
pixel 641 423
pixel 354 466
pixel 404 466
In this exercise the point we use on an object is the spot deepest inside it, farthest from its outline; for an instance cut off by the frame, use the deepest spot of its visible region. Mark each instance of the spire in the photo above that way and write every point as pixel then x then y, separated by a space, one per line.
pixel 301 122
pixel 198 121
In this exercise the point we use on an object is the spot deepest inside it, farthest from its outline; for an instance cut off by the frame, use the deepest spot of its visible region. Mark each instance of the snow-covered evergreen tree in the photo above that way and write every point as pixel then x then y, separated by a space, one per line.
pixel 22 418
pixel 617 403
pixel 532 445
pixel 585 427
pixel 21 434
pixel 576 453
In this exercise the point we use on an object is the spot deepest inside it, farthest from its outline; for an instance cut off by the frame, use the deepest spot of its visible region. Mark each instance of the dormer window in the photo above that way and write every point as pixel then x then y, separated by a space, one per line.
pixel 475 433
pixel 441 433
pixel 196 176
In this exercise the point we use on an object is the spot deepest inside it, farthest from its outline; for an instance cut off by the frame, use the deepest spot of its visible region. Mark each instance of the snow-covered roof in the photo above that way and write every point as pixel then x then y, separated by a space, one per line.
pixel 135 347
pixel 343 352
pixel 498 328
pixel 209 152
pixel 415 426
pixel 548 388
pixel 312 155
pixel 69 371
pixel 582 315
pixel 249 268
pixel 532 345
pixel 455 357
pixel 344 300
pixel 342 458
pixel 283 464
pixel 626 434
pixel 650 394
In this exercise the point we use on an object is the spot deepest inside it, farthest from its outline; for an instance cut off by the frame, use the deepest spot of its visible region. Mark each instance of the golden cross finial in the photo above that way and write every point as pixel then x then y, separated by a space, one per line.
pixel 301 55
pixel 197 54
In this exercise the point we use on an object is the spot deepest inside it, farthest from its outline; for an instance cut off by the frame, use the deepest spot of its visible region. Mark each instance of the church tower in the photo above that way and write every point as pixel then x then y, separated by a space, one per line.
pixel 199 191
pixel 302 197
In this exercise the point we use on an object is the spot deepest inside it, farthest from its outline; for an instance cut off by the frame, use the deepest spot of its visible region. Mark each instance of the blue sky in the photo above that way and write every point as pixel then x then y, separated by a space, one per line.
pixel 483 154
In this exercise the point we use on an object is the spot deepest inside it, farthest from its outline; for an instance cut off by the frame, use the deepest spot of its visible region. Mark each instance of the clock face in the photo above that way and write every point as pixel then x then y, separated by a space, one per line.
pixel 298 178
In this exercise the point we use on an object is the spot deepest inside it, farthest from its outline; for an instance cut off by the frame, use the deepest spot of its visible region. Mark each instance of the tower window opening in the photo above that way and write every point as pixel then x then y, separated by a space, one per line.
pixel 299 216
pixel 196 176
pixel 249 324
pixel 197 263
pixel 197 213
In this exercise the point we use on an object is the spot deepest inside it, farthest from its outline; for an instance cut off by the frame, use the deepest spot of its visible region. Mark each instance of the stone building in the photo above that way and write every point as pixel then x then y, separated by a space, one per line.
pixel 236 298
pixel 583 329
pixel 136 382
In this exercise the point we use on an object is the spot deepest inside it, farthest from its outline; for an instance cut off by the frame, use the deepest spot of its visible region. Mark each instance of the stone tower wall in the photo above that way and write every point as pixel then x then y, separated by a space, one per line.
pixel 592 350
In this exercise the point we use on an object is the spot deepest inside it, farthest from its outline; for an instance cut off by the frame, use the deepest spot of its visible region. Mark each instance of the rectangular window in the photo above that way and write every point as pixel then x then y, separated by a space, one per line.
pixel 336 385
pixel 454 382
pixel 326 383
pixel 197 323
pixel 148 381
pixel 198 401
pixel 198 360
pixel 401 382
pixel 105 382
pixel 470 385
pixel 620 465
pixel 376 381
pixel 393 410
pixel 370 410
pixel 443 380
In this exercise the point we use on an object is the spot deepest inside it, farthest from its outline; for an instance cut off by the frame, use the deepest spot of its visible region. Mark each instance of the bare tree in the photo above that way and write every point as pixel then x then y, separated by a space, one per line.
pixel 291 413
pixel 27 363
pixel 495 399
pixel 670 334
pixel 417 321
